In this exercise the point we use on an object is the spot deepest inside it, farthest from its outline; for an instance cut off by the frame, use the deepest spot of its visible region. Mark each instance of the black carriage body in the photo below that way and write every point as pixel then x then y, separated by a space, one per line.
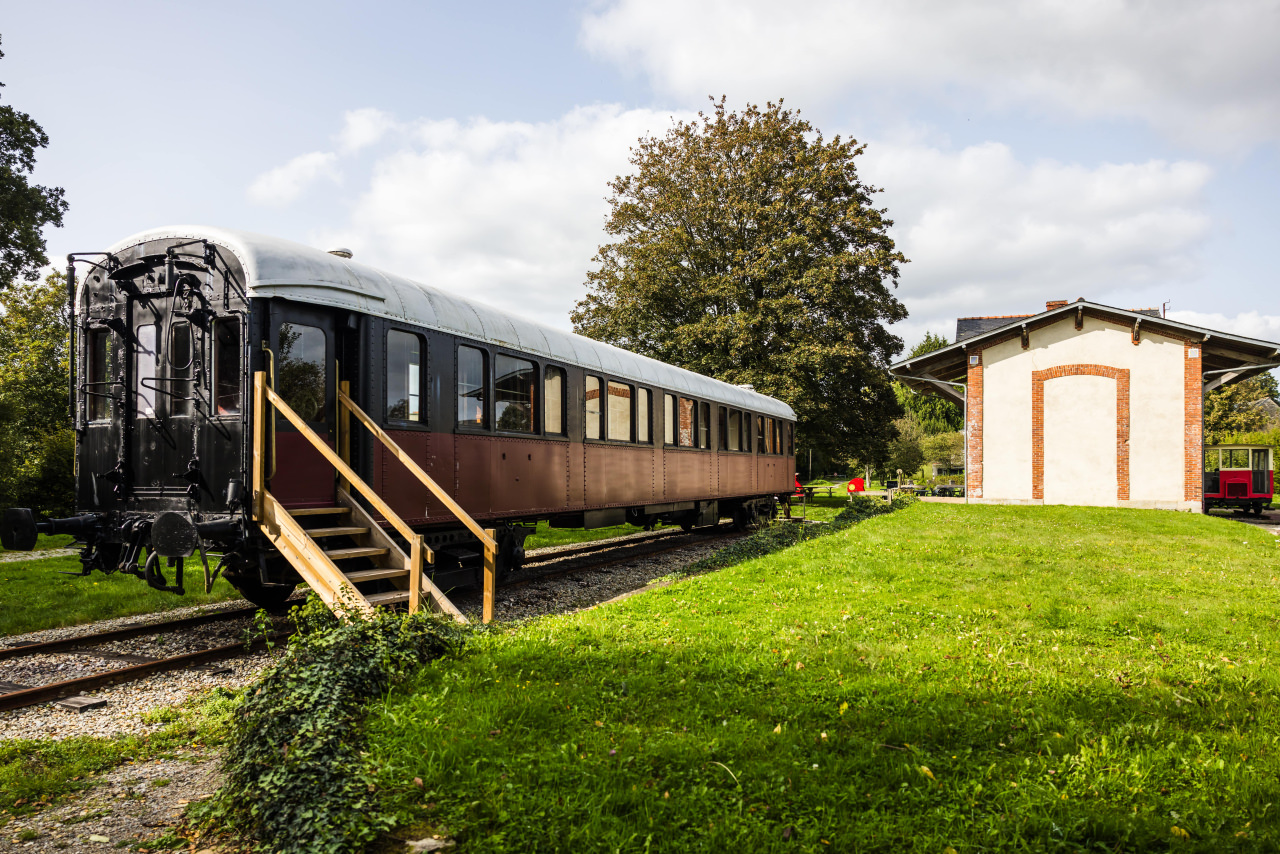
pixel 518 423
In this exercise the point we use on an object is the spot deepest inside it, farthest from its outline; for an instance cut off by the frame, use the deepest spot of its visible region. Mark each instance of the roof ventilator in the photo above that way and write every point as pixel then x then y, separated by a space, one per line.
pixel 340 251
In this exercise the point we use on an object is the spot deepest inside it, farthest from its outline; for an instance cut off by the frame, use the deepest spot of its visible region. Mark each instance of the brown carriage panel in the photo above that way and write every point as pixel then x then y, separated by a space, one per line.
pixel 577 475
pixel 528 475
pixel 737 474
pixel 618 474
pixel 303 477
pixel 407 495
pixel 688 475
pixel 471 472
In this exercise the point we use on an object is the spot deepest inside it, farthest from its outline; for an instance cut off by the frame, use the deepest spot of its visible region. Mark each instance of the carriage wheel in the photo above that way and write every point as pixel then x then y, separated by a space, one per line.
pixel 270 599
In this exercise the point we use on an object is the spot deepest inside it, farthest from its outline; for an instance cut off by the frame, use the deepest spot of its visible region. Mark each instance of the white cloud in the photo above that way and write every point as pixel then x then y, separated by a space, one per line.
pixel 1249 324
pixel 284 184
pixel 990 234
pixel 1199 72
pixel 363 128
pixel 507 212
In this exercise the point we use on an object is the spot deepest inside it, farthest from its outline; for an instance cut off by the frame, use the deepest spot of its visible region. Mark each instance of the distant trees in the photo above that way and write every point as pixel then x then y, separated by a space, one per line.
pixel 929 430
pixel 37 444
pixel 25 208
pixel 747 248
pixel 1235 408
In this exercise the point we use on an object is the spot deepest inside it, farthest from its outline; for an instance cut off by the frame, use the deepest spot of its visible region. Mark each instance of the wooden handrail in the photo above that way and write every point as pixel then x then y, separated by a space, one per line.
pixel 438 491
pixel 332 457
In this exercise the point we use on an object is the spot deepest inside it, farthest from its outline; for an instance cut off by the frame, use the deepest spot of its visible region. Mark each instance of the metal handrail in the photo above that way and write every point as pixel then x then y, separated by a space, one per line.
pixel 438 491
pixel 268 395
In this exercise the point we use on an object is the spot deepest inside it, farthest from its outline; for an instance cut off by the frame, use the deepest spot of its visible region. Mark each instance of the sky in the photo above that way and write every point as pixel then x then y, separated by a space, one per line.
pixel 1124 152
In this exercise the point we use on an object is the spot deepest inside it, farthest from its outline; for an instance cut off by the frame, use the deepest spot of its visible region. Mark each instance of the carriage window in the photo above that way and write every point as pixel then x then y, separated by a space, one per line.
pixel 300 370
pixel 775 437
pixel 593 408
pixel 226 366
pixel 514 393
pixel 471 386
pixel 180 358
pixel 762 446
pixel 404 376
pixel 644 415
pixel 1260 460
pixel 620 412
pixel 1236 458
pixel 100 368
pixel 687 417
pixel 669 419
pixel 735 430
pixel 1211 462
pixel 723 414
pixel 553 401
pixel 704 426
pixel 791 440
pixel 144 370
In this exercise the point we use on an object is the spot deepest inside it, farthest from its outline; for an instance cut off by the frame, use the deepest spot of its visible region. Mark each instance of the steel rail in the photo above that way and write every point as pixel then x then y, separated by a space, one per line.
pixel 70 687
pixel 540 556
pixel 613 560
pixel 121 634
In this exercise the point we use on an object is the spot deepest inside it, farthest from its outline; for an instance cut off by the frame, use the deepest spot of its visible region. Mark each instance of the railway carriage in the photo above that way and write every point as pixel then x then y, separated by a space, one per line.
pixel 231 389
pixel 1239 476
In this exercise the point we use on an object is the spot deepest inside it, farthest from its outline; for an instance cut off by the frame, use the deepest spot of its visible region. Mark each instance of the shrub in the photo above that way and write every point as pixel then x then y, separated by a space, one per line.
pixel 295 771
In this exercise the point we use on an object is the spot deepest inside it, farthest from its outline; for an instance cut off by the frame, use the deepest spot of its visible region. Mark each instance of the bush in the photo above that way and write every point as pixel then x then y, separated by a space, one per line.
pixel 296 777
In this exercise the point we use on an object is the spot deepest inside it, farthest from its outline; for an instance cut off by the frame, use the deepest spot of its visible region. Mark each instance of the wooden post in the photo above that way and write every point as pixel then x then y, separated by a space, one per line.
pixel 415 575
pixel 490 574
pixel 260 416
pixel 344 432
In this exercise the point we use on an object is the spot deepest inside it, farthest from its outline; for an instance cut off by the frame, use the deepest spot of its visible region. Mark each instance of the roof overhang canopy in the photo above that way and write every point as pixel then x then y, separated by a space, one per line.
pixel 1226 358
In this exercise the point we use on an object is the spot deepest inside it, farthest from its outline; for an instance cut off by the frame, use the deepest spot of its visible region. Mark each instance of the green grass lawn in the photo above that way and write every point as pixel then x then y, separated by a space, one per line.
pixel 547 536
pixel 35 596
pixel 979 678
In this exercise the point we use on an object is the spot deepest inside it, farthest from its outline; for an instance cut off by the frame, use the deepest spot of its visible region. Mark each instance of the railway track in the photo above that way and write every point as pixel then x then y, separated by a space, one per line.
pixel 612 552
pixel 15 695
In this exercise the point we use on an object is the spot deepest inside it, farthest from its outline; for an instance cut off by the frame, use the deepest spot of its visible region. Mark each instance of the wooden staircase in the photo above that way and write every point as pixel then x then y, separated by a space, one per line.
pixel 373 555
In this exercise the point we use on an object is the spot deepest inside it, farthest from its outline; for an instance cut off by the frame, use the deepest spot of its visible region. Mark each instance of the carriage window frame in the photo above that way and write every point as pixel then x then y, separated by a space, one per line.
pixel 704 426
pixel 791 439
pixel 683 403
pixel 644 416
pixel 722 428
pixel 1236 459
pixel 1260 461
pixel 533 395
pixel 734 437
pixel 220 366
pixel 99 385
pixel 1216 455
pixel 629 408
pixel 762 446
pixel 486 387
pixel 142 391
pixel 421 421
pixel 600 390
pixel 283 361
pixel 669 433
pixel 548 409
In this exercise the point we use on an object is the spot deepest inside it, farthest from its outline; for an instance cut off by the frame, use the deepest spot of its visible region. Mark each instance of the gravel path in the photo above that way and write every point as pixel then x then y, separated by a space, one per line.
pixel 10 557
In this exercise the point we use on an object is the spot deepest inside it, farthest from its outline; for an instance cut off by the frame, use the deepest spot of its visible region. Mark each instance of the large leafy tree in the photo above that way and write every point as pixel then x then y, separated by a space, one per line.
pixel 934 413
pixel 37 445
pixel 747 248
pixel 25 208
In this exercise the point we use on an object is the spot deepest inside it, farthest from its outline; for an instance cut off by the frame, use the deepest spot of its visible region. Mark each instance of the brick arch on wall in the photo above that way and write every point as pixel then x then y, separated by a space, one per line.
pixel 1038 379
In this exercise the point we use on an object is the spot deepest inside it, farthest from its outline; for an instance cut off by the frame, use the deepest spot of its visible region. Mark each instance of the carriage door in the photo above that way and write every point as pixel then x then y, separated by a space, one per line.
pixel 162 445
pixel 303 344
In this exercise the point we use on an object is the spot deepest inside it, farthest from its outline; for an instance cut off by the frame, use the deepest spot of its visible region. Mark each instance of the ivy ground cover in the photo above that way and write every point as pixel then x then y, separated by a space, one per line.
pixel 975 678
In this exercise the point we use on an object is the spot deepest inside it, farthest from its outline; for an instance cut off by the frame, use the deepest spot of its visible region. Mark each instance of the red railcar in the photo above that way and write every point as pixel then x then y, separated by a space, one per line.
pixel 1239 476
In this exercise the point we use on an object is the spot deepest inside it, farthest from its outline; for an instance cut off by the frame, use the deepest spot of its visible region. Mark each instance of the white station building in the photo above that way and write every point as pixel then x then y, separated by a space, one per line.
pixel 1085 404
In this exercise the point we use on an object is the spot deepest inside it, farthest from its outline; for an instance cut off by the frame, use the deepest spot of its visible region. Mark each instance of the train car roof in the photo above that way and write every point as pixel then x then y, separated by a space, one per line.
pixel 275 267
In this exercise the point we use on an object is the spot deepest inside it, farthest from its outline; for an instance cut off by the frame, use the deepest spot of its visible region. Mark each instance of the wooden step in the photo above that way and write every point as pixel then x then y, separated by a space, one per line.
pixel 391 598
pixel 375 574
pixel 315 533
pixel 362 551
pixel 320 511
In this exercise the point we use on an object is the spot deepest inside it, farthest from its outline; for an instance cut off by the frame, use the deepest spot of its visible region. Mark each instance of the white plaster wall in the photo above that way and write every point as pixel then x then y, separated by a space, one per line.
pixel 1156 407
pixel 1080 440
